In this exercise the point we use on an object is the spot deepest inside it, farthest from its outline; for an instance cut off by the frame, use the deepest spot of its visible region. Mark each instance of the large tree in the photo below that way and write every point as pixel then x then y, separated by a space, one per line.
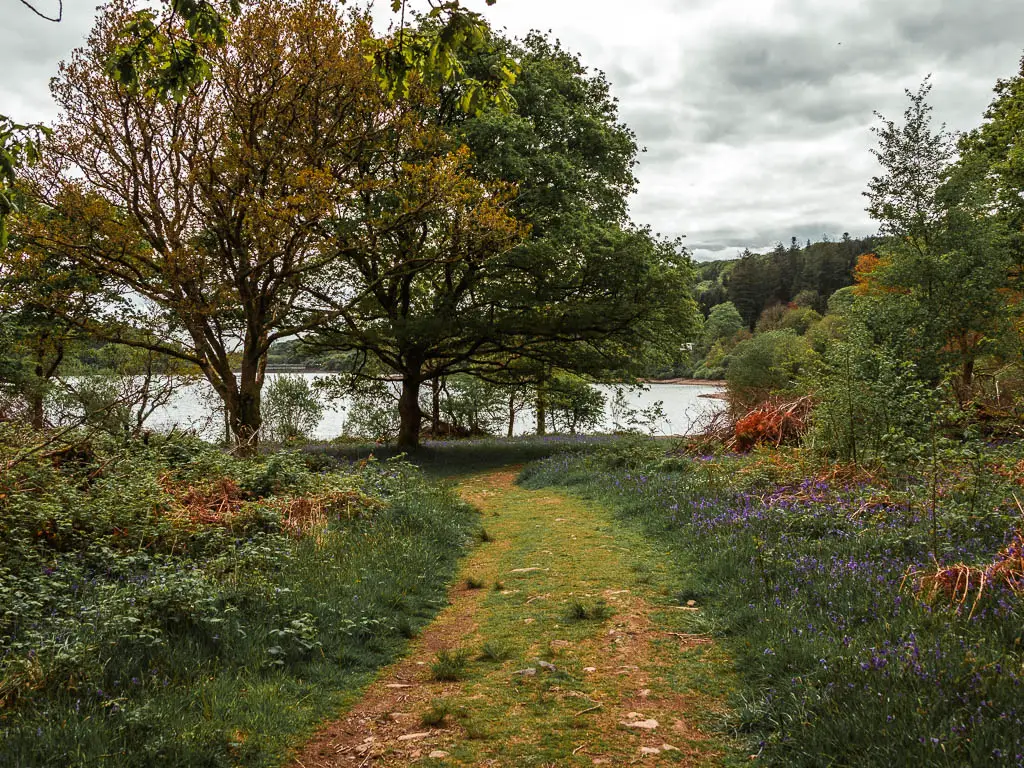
pixel 583 292
pixel 424 252
pixel 209 212
pixel 936 292
pixel 165 49
pixel 572 161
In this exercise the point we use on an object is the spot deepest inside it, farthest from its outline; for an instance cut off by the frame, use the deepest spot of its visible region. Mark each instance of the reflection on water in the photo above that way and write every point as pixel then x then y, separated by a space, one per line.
pixel 195 408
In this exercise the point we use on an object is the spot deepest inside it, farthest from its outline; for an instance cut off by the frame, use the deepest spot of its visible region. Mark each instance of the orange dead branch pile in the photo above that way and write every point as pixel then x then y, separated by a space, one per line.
pixel 213 504
pixel 772 423
pixel 304 514
pixel 221 502
pixel 956 583
pixel 710 430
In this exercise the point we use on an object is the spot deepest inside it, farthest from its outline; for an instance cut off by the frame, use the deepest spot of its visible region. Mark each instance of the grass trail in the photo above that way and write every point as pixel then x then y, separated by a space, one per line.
pixel 563 645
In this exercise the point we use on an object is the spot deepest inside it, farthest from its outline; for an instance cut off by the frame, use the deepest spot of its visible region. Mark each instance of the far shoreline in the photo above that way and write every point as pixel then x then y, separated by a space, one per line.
pixel 687 382
pixel 720 383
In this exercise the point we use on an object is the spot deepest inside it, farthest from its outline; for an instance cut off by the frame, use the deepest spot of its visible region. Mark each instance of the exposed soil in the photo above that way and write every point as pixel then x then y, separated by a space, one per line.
pixel 635 686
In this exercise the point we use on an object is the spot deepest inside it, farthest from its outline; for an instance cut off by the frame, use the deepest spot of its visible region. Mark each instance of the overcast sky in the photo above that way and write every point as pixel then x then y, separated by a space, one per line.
pixel 755 115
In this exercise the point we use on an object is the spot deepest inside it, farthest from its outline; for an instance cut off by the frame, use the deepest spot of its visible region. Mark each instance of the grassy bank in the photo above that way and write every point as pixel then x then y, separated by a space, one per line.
pixel 445 458
pixel 843 599
pixel 168 605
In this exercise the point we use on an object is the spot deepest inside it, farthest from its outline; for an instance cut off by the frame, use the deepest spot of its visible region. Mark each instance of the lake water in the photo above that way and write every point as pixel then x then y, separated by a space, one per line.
pixel 195 408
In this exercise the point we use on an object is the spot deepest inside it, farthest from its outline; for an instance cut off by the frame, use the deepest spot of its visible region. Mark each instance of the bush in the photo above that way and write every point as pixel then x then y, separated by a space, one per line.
pixel 373 411
pixel 292 410
pixel 473 406
pixel 574 406
pixel 871 406
pixel 625 418
pixel 767 364
pixel 146 590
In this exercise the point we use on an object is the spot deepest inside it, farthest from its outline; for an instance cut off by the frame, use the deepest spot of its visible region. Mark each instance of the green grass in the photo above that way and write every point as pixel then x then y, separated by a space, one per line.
pixel 484 536
pixel 495 652
pixel 553 553
pixel 449 665
pixel 804 579
pixel 579 610
pixel 130 640
pixel 439 711
pixel 448 458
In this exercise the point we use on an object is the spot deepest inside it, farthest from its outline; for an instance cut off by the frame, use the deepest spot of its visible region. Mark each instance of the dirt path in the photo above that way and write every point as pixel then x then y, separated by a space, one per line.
pixel 573 653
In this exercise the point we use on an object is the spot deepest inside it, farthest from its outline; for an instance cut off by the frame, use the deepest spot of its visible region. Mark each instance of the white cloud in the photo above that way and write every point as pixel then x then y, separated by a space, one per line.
pixel 756 115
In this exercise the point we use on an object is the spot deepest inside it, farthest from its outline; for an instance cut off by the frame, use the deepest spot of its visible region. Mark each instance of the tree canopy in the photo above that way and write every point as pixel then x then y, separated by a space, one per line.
pixel 209 212
pixel 570 284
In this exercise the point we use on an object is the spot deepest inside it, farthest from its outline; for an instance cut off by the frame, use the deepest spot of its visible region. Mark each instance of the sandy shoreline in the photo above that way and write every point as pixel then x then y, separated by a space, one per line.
pixel 687 382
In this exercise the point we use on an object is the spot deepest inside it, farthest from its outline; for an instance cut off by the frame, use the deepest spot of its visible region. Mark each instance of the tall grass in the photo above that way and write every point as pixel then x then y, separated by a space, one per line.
pixel 812 582
pixel 130 637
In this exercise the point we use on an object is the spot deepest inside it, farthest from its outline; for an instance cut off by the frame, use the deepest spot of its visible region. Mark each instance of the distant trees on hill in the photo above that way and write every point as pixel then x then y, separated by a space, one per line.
pixel 805 276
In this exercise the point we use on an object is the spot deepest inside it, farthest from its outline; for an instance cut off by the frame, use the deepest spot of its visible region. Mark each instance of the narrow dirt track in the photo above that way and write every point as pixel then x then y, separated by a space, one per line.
pixel 626 684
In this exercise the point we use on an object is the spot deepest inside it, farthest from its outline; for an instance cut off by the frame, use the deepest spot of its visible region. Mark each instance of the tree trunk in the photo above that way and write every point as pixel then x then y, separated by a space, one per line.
pixel 37 390
pixel 511 415
pixel 542 411
pixel 245 420
pixel 244 411
pixel 37 411
pixel 435 403
pixel 410 414
pixel 966 381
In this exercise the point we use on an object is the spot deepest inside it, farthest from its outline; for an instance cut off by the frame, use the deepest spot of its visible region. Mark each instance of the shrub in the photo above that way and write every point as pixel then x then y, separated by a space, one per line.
pixel 473 406
pixel 146 589
pixel 372 411
pixel 767 364
pixel 449 666
pixel 292 410
pixel 625 418
pixel 494 651
pixel 580 610
pixel 574 406
pixel 439 711
pixel 871 406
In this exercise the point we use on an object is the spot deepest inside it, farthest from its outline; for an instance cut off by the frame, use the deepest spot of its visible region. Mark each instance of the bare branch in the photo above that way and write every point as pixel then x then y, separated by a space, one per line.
pixel 55 20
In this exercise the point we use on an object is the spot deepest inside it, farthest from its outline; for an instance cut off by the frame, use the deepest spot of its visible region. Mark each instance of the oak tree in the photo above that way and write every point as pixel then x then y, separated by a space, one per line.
pixel 208 212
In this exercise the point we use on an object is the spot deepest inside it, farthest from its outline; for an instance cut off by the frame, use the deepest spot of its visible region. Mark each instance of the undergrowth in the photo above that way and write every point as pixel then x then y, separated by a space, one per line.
pixel 445 458
pixel 169 605
pixel 450 666
pixel 835 590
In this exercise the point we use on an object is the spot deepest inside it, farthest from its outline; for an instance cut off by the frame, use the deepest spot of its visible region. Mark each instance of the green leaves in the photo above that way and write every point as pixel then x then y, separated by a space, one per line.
pixel 435 54
pixel 19 146
pixel 997 142
pixel 166 55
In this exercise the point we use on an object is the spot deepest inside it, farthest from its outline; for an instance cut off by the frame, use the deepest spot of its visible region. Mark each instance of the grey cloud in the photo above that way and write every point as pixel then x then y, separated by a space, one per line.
pixel 755 117
pixel 793 104
pixel 767 238
pixel 30 49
